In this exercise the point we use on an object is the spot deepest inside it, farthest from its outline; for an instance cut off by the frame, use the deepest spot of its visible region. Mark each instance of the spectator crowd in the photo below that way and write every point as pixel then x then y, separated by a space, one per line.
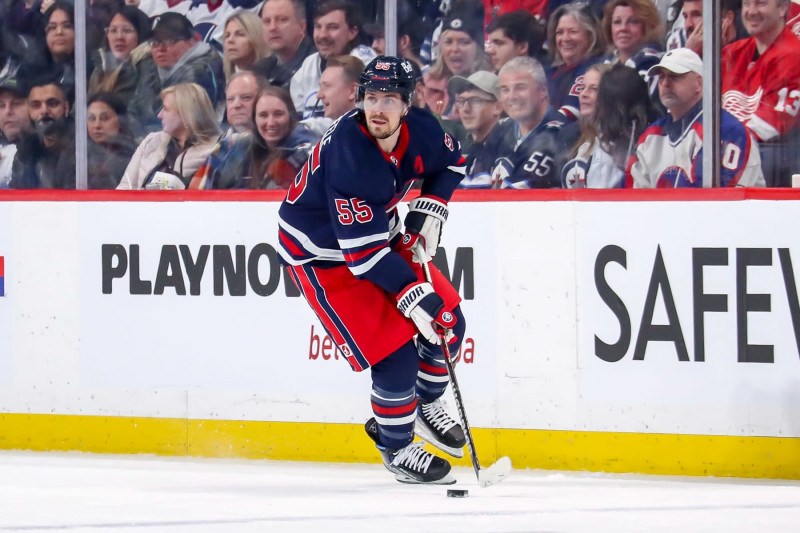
pixel 234 94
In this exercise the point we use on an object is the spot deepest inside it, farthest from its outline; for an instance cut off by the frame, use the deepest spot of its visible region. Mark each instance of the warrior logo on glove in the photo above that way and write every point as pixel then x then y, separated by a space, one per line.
pixel 424 224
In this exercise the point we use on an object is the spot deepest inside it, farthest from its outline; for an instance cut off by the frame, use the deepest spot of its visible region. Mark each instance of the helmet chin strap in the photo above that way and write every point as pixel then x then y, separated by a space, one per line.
pixel 400 122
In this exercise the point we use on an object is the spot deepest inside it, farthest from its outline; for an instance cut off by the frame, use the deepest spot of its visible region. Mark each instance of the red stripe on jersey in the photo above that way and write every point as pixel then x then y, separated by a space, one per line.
pixel 697 126
pixel 564 110
pixel 400 410
pixel 289 245
pixel 313 300
pixel 402 144
pixel 352 258
pixel 430 369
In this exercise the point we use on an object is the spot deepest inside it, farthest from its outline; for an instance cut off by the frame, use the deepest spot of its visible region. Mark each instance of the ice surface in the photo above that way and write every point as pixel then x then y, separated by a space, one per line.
pixel 88 493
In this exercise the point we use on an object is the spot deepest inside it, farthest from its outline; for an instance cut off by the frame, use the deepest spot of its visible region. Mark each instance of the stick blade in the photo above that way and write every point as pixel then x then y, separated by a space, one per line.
pixel 495 473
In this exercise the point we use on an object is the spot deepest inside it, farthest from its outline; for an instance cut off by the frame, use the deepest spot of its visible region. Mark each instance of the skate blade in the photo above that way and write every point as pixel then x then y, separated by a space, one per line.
pixel 422 431
pixel 495 473
pixel 446 480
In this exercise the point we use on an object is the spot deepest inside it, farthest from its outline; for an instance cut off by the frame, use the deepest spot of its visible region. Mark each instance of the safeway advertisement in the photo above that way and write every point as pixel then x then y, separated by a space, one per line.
pixel 679 312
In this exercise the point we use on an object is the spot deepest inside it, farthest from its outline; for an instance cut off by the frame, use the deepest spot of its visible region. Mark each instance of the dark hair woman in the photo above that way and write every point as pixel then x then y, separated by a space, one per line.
pixel 111 141
pixel 123 59
pixel 621 113
pixel 58 26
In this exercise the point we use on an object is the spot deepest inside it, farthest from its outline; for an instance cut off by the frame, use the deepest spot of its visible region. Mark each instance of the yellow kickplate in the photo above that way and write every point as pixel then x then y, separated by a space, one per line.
pixel 670 454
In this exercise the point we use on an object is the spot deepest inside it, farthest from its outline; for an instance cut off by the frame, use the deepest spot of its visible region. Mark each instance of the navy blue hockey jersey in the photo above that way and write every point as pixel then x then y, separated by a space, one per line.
pixel 533 161
pixel 480 162
pixel 564 85
pixel 342 206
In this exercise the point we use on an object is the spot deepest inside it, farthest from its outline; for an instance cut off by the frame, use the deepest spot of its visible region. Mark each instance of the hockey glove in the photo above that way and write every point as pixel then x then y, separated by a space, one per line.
pixel 420 303
pixel 424 224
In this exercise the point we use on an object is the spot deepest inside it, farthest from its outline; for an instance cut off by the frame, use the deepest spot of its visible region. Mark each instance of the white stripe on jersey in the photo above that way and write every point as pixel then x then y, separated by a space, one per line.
pixel 762 128
pixel 569 111
pixel 461 169
pixel 325 254
pixel 289 259
pixel 515 185
pixel 396 227
pixel 364 267
pixel 348 244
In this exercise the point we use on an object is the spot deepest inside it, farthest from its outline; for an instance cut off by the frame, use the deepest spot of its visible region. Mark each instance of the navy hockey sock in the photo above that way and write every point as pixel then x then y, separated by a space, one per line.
pixel 394 400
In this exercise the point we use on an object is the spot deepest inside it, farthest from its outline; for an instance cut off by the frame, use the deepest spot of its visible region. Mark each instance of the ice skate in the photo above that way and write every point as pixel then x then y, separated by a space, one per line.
pixel 412 464
pixel 436 427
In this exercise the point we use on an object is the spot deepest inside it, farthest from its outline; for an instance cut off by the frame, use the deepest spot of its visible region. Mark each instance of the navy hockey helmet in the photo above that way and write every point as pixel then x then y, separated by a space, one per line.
pixel 388 74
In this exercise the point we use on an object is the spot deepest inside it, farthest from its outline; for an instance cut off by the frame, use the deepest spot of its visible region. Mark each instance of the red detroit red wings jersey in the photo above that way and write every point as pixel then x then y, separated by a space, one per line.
pixel 793 18
pixel 342 206
pixel 764 94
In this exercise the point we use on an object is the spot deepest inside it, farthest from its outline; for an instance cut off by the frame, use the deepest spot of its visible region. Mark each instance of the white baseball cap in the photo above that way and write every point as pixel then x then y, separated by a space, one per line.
pixel 679 61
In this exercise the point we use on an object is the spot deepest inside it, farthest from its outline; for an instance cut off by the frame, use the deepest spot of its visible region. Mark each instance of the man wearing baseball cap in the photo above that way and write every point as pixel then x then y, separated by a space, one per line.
pixel 14 122
pixel 477 99
pixel 670 152
pixel 180 58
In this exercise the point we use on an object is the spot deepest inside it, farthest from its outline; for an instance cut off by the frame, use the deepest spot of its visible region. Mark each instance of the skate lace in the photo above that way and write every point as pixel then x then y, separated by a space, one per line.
pixel 436 415
pixel 414 457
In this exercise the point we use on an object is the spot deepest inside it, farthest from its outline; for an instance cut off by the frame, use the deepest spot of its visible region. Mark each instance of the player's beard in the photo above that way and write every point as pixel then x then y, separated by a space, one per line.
pixel 382 131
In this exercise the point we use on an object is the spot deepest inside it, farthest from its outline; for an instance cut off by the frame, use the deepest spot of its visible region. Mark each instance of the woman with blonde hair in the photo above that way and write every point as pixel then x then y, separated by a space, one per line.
pixel 635 34
pixel 460 53
pixel 168 159
pixel 575 42
pixel 243 43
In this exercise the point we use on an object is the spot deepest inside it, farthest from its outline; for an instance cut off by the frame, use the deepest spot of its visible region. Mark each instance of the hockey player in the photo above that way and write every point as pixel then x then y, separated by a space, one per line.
pixel 670 152
pixel 343 242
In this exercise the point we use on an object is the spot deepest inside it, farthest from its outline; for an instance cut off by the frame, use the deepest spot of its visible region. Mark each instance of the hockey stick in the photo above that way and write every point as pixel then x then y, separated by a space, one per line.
pixel 500 468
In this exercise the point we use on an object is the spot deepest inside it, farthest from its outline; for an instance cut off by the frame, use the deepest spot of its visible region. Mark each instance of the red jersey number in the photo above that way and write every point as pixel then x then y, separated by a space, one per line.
pixel 352 210
pixel 298 186
pixel 300 182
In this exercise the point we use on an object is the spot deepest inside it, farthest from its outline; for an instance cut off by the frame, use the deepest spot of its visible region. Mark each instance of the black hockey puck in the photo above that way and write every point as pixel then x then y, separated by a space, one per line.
pixel 457 493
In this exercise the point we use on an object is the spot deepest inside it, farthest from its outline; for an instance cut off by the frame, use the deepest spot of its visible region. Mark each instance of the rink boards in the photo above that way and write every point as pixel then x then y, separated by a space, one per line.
pixel 653 332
